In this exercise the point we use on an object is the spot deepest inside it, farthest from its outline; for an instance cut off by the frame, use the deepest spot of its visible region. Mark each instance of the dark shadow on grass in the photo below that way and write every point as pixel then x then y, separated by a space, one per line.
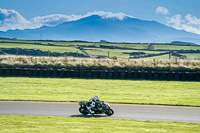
pixel 89 116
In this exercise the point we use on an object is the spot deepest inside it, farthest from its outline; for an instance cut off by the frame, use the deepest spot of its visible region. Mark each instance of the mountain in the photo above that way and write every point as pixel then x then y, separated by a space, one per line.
pixel 182 43
pixel 95 28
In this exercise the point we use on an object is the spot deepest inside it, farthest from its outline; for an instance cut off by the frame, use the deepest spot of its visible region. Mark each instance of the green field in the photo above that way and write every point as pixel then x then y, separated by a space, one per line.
pixel 118 51
pixel 193 56
pixel 45 42
pixel 40 47
pixel 29 124
pixel 115 91
pixel 137 46
pixel 176 47
pixel 133 45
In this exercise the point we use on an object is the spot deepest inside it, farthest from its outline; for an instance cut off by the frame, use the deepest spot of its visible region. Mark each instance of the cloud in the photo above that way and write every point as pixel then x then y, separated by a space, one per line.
pixel 188 23
pixel 51 20
pixel 192 19
pixel 162 10
pixel 174 20
pixel 11 19
pixel 189 28
pixel 105 15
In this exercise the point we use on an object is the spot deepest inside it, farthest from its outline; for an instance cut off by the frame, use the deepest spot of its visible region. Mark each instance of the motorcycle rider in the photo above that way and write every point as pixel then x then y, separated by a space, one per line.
pixel 92 104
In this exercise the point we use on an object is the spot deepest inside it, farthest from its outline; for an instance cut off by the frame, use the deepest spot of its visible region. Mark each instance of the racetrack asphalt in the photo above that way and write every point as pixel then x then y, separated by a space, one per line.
pixel 122 111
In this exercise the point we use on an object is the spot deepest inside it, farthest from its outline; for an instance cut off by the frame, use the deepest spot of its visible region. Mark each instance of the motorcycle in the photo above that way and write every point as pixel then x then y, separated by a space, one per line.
pixel 101 107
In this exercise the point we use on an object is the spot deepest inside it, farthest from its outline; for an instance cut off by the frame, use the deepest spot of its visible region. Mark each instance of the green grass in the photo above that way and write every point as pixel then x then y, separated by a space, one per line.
pixel 176 47
pixel 46 42
pixel 40 47
pixel 43 124
pixel 163 57
pixel 192 55
pixel 112 52
pixel 116 91
pixel 96 51
pixel 136 46
pixel 116 52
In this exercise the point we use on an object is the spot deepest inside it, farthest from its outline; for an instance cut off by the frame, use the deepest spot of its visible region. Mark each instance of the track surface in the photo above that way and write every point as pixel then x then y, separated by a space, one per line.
pixel 122 111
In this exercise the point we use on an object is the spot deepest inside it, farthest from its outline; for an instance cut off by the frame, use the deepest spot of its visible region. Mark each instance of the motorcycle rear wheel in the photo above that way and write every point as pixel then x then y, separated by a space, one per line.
pixel 109 112
pixel 83 111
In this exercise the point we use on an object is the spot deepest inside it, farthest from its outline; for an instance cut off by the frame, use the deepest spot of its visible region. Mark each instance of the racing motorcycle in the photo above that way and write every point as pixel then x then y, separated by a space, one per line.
pixel 101 107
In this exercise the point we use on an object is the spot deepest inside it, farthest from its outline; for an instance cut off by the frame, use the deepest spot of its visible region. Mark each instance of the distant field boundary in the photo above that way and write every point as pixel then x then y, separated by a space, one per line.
pixel 102 74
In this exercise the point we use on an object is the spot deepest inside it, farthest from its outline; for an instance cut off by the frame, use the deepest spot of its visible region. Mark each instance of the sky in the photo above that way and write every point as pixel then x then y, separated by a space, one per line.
pixel 30 14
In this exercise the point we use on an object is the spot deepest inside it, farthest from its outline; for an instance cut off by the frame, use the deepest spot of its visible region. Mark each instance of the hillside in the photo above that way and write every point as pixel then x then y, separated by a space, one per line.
pixel 98 49
pixel 95 28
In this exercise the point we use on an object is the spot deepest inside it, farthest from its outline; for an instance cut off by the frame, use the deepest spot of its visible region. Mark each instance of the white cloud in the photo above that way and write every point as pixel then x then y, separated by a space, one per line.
pixel 105 15
pixel 162 10
pixel 190 28
pixel 50 20
pixel 175 20
pixel 188 23
pixel 192 19
pixel 11 19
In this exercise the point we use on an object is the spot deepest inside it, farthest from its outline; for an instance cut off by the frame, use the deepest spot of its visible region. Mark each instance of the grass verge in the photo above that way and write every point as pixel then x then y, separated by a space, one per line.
pixel 10 124
pixel 99 64
pixel 116 91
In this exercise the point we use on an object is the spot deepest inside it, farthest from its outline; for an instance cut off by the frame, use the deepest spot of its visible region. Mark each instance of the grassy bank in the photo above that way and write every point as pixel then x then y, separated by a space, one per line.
pixel 91 63
pixel 116 91
pixel 10 124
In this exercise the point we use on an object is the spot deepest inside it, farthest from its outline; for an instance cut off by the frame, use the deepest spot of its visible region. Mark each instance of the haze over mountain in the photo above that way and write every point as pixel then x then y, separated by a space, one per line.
pixel 95 28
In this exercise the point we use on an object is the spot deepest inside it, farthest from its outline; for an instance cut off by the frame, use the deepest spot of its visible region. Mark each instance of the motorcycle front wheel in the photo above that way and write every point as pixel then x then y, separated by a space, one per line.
pixel 83 111
pixel 109 112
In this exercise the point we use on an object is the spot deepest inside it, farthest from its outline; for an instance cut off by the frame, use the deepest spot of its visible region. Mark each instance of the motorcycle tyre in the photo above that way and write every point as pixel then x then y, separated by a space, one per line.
pixel 110 112
pixel 84 113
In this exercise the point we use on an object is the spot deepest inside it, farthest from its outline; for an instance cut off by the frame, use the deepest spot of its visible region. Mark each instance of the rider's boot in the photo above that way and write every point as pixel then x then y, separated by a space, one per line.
pixel 90 109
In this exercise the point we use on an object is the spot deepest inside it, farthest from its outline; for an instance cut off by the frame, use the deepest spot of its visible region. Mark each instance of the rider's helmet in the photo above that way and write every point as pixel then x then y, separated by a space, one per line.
pixel 96 98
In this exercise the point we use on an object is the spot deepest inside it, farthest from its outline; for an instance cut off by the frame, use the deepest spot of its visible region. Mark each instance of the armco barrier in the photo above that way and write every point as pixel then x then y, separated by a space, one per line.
pixel 102 74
